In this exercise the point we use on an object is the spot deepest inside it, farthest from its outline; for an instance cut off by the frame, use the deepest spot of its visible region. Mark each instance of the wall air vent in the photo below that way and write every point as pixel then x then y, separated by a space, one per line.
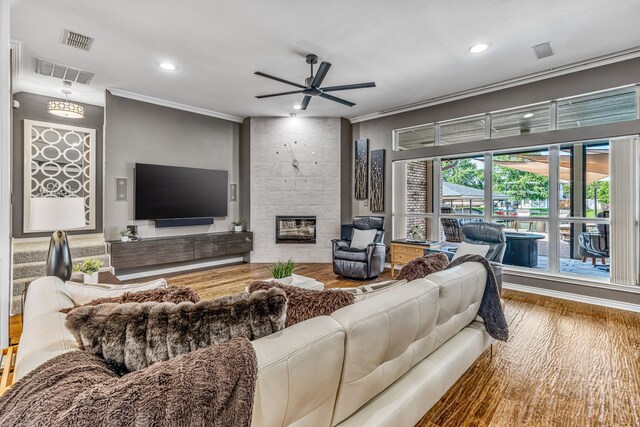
pixel 543 50
pixel 77 40
pixel 64 72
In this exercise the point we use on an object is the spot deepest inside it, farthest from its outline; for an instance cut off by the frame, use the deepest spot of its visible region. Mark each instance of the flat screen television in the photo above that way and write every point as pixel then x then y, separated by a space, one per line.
pixel 172 192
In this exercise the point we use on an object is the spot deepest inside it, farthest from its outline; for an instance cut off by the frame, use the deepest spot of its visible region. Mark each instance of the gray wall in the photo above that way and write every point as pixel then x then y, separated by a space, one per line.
pixel 34 107
pixel 346 160
pixel 136 131
pixel 379 131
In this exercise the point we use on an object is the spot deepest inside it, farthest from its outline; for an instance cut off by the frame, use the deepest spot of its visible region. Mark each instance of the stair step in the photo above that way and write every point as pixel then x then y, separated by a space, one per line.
pixel 38 268
pixel 33 253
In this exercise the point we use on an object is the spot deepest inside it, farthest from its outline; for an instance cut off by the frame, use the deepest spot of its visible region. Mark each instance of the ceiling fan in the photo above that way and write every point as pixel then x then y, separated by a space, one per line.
pixel 312 84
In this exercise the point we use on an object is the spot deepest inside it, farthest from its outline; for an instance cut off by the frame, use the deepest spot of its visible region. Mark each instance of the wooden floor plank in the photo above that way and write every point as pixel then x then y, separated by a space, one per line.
pixel 566 363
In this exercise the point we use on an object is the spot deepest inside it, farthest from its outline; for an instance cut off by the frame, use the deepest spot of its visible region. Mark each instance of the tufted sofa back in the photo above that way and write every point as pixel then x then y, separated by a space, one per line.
pixel 390 333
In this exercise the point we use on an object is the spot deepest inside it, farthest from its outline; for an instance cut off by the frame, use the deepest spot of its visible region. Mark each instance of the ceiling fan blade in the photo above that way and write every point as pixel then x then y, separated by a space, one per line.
pixel 305 102
pixel 278 79
pixel 278 94
pixel 347 87
pixel 336 99
pixel 321 74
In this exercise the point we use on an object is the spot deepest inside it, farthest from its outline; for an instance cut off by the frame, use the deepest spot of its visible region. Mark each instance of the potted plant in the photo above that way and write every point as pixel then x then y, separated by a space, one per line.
pixel 282 271
pixel 124 234
pixel 90 268
pixel 237 225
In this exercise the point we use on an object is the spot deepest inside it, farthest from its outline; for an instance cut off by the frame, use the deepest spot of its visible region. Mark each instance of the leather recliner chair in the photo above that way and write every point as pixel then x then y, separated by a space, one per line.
pixel 486 233
pixel 356 263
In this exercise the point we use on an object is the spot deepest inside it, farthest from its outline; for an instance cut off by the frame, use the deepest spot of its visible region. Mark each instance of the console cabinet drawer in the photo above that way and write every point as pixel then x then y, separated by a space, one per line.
pixel 133 254
pixel 408 250
pixel 208 246
pixel 239 242
pixel 178 250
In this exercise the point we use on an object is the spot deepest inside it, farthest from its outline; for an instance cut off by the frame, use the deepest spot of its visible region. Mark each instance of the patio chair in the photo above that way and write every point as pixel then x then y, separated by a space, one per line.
pixel 595 245
pixel 452 230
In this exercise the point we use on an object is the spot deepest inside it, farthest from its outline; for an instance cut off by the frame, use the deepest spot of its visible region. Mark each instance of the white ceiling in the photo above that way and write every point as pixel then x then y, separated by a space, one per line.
pixel 413 49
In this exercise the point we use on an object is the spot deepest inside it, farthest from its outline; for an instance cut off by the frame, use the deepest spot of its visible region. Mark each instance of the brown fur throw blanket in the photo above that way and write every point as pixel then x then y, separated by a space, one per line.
pixel 423 266
pixel 133 336
pixel 490 307
pixel 174 294
pixel 304 304
pixel 213 386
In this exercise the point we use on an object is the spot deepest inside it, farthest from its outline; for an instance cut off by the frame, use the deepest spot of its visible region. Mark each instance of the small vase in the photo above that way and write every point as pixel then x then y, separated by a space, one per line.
pixel 124 239
pixel 237 228
pixel 91 278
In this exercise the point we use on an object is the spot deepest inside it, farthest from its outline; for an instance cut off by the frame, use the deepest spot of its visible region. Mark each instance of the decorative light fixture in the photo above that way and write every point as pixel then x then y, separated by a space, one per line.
pixel 479 48
pixel 65 108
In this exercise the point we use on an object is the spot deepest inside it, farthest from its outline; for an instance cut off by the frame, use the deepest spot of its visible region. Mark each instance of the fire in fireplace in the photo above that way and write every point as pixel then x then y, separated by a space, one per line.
pixel 295 229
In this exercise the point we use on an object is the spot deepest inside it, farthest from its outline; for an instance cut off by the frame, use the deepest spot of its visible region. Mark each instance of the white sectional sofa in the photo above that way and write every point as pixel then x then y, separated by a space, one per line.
pixel 383 361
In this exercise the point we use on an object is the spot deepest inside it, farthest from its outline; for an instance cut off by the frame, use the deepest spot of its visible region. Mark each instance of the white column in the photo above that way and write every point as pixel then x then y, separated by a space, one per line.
pixel 5 175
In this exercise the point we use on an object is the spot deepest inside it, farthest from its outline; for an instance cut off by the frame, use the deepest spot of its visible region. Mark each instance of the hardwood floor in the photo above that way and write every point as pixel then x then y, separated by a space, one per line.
pixel 566 363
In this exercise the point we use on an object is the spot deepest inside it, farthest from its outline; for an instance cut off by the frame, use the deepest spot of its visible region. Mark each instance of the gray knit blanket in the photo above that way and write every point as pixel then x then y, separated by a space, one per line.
pixel 490 307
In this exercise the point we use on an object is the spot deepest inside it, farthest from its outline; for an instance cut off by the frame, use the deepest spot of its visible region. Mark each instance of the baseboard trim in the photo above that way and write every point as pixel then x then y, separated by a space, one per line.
pixel 573 297
pixel 180 268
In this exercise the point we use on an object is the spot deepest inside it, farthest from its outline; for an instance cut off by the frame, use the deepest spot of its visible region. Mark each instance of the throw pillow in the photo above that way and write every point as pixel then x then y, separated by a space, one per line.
pixel 132 336
pixel 174 294
pixel 360 239
pixel 304 304
pixel 423 266
pixel 213 386
pixel 471 249
pixel 83 293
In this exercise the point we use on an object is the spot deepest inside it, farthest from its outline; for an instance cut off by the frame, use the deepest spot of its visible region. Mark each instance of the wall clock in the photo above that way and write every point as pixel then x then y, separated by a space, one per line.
pixel 299 154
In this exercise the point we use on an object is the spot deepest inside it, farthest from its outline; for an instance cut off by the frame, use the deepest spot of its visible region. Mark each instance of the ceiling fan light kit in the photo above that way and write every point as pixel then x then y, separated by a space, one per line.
pixel 313 85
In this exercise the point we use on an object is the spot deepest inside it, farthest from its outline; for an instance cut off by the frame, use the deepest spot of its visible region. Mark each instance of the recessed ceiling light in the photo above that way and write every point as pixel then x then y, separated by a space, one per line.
pixel 297 107
pixel 479 48
pixel 528 116
pixel 292 115
pixel 167 66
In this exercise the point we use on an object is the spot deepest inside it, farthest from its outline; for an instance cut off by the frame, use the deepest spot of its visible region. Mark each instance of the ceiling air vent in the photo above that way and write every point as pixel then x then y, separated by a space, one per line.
pixel 543 50
pixel 77 40
pixel 64 72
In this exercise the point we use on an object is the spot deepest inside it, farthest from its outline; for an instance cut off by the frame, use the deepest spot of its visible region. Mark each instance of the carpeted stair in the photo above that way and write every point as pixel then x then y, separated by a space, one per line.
pixel 29 260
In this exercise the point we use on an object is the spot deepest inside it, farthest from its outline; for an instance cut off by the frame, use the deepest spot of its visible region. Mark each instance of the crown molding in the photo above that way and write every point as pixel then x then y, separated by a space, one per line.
pixel 175 105
pixel 16 65
pixel 504 84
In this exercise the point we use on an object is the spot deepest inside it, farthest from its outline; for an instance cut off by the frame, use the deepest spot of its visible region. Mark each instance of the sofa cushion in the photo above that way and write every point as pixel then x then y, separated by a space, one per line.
pixel 213 386
pixel 351 254
pixel 386 336
pixel 364 292
pixel 83 293
pixel 460 289
pixel 305 304
pixel 133 336
pixel 174 294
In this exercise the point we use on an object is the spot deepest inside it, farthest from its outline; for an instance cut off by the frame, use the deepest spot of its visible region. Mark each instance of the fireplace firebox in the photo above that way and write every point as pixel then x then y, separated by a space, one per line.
pixel 295 229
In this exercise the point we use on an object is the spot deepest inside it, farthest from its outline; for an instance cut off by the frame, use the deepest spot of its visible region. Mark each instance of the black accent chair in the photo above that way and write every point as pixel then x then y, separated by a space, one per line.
pixel 363 264
pixel 486 233
pixel 595 245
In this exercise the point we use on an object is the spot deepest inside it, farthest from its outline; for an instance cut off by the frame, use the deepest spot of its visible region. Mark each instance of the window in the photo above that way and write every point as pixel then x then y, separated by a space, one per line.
pixel 413 201
pixel 521 121
pixel 605 107
pixel 464 130
pixel 415 137
pixel 462 186
pixel 521 184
